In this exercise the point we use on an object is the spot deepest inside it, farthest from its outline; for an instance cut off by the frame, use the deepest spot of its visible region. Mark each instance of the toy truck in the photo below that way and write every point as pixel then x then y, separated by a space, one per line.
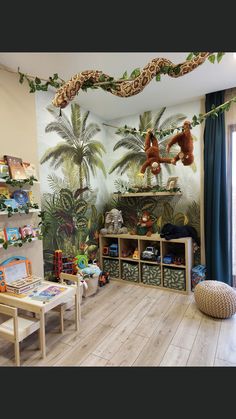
pixel 113 250
pixel 150 253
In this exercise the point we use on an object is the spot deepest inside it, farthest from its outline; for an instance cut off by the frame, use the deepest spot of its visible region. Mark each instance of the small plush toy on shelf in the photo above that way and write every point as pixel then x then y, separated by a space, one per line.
pixel 113 223
pixel 145 224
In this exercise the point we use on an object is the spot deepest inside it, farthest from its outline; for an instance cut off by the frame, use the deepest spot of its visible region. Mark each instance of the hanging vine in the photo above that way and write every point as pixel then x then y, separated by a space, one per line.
pixel 126 85
pixel 196 120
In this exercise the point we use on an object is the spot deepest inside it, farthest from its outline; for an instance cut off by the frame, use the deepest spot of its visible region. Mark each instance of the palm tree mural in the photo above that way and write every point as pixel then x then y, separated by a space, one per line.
pixel 77 146
pixel 135 142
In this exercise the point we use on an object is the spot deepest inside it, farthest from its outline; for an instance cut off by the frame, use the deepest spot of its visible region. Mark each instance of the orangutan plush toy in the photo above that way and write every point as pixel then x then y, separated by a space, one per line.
pixel 185 141
pixel 153 155
pixel 145 221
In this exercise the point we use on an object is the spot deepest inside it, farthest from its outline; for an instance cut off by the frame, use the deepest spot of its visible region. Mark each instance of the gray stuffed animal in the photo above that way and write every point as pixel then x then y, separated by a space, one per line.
pixel 113 223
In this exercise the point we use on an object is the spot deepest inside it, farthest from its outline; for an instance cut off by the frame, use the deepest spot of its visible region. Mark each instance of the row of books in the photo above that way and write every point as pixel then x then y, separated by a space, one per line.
pixel 12 234
pixel 15 168
pixel 16 198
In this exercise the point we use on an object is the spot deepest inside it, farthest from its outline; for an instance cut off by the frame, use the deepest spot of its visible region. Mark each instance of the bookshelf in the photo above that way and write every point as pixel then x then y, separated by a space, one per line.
pixel 145 272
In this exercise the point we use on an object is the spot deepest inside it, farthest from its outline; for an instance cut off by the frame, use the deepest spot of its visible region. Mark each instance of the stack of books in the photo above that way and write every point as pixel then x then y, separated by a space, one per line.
pixel 21 286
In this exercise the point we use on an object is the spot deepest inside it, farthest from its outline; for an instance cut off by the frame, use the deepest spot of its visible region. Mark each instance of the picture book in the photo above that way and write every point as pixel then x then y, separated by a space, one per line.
pixel 48 293
pixel 30 169
pixel 12 234
pixel 26 231
pixel 4 192
pixel 11 203
pixel 20 196
pixel 36 231
pixel 16 168
pixel 4 171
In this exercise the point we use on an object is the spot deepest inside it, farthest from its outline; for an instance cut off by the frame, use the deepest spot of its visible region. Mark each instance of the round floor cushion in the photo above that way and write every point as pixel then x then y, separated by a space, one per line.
pixel 216 299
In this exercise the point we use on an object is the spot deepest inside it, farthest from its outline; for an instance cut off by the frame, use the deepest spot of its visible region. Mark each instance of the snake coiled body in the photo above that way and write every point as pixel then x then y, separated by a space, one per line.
pixel 126 88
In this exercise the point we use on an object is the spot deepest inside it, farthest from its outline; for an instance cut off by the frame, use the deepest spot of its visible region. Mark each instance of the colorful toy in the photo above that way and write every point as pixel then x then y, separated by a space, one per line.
pixel 13 269
pixel 105 251
pixel 198 274
pixel 103 279
pixel 145 224
pixel 153 158
pixel 113 250
pixel 168 258
pixel 150 253
pixel 136 254
pixel 57 263
pixel 81 261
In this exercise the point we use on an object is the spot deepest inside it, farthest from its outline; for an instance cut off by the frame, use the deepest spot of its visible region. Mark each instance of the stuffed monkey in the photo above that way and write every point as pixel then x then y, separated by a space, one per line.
pixel 185 141
pixel 146 221
pixel 153 155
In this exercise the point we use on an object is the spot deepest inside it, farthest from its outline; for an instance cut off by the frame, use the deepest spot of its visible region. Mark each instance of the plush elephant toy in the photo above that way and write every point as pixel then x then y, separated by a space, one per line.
pixel 113 223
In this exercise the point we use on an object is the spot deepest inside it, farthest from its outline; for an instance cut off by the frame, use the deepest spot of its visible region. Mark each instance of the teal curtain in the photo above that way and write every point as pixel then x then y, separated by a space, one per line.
pixel 217 225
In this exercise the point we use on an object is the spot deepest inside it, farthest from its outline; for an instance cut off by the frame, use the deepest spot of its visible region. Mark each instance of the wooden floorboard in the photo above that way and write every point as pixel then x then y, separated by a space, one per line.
pixel 129 325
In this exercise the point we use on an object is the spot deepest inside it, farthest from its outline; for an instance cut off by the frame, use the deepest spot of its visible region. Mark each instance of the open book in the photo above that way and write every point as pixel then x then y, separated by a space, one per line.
pixel 48 293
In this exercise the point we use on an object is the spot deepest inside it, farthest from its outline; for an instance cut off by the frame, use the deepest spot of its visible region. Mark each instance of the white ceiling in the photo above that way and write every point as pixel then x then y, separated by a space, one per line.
pixel 205 79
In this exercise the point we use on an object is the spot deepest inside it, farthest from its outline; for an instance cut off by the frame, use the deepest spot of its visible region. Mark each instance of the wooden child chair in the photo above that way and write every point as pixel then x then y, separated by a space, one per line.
pixel 17 328
pixel 68 304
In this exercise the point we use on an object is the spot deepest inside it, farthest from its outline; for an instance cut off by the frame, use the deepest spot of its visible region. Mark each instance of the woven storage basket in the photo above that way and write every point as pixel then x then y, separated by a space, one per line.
pixel 216 299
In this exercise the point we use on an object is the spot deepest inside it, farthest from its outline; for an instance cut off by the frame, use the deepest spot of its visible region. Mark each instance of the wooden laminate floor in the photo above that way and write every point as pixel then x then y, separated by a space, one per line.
pixel 130 325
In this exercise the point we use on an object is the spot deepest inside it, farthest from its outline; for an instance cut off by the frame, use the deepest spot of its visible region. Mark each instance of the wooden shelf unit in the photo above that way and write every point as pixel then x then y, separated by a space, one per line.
pixel 182 245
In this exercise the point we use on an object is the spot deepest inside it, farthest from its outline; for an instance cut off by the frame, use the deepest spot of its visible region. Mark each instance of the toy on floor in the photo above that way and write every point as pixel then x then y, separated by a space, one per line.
pixel 103 279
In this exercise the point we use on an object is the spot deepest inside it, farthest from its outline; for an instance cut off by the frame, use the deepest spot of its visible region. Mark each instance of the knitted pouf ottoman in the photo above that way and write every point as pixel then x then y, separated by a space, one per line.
pixel 216 299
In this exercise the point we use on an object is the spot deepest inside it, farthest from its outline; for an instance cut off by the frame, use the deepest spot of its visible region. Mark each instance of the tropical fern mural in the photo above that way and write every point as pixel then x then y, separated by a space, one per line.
pixel 70 216
pixel 78 145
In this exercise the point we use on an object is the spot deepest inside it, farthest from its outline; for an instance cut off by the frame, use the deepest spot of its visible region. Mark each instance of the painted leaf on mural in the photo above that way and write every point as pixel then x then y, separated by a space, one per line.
pixel 66 199
pixel 180 219
pixel 81 207
pixel 82 222
pixel 168 211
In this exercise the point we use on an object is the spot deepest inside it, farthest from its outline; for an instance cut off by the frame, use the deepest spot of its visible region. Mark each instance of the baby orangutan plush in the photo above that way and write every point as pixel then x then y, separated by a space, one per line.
pixel 146 221
pixel 153 155
pixel 185 141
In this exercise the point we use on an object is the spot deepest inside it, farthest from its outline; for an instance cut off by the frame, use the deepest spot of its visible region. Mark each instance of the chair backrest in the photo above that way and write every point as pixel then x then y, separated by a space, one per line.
pixel 69 277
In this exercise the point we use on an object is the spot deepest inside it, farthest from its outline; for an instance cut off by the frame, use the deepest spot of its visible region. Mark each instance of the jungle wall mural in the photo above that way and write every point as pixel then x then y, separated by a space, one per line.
pixel 83 163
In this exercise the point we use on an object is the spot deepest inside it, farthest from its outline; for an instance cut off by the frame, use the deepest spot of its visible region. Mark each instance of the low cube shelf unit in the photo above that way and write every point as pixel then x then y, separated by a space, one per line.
pixel 148 272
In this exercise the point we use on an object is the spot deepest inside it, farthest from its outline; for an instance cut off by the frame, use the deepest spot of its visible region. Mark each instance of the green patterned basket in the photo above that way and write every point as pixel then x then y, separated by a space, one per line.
pixel 174 278
pixel 130 271
pixel 111 266
pixel 151 274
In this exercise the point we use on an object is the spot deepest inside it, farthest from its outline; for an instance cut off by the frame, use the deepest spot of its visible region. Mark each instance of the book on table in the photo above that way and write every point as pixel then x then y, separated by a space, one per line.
pixel 48 293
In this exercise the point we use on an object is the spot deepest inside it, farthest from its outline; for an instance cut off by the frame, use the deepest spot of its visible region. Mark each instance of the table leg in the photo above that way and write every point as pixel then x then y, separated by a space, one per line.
pixel 76 313
pixel 42 334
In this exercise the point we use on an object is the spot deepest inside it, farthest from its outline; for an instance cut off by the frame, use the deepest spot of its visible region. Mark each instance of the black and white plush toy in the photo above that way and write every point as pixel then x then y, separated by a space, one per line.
pixel 171 231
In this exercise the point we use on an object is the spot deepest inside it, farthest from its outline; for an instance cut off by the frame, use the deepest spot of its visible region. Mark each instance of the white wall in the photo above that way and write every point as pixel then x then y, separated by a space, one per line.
pixel 18 138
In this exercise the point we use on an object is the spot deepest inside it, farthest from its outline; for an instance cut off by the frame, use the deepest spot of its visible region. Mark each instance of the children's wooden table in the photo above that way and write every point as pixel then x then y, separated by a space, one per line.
pixel 41 307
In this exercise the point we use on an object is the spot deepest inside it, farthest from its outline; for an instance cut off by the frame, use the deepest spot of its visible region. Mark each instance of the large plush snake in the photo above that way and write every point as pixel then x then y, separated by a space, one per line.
pixel 126 88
